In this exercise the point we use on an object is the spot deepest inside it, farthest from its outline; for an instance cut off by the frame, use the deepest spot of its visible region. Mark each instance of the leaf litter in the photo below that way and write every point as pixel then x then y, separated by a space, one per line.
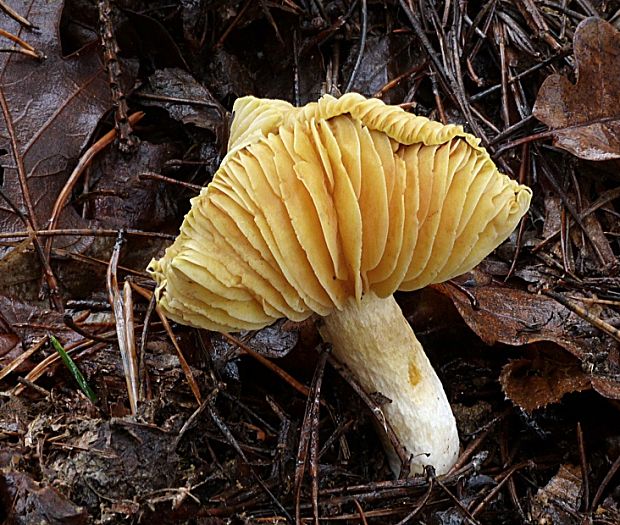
pixel 583 117
pixel 526 345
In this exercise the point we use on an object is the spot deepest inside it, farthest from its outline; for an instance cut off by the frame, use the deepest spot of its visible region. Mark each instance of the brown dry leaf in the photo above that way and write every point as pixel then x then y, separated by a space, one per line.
pixel 584 116
pixel 516 317
pixel 8 338
pixel 542 378
pixel 172 88
pixel 607 387
pixel 28 501
pixel 51 106
pixel 559 500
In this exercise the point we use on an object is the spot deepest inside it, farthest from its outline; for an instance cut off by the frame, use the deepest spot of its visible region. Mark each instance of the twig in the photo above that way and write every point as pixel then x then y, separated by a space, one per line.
pixel 360 511
pixel 468 516
pixel 583 462
pixel 170 180
pixel 376 412
pixel 35 387
pixel 122 124
pixel 308 443
pixel 523 175
pixel 584 314
pixel 189 376
pixel 24 47
pixel 233 442
pixel 314 432
pixel 233 24
pixel 296 92
pixel 68 320
pixel 51 359
pixel 84 161
pixel 608 477
pixel 601 201
pixel 30 219
pixel 362 44
pixel 81 232
pixel 22 358
pixel 15 15
pixel 302 389
pixel 144 392
pixel 420 505
pixel 493 492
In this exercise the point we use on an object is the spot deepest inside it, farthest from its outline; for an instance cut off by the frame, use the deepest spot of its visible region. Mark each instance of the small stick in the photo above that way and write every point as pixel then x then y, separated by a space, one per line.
pixel 233 24
pixel 170 180
pixel 35 387
pixel 505 477
pixel 608 477
pixel 584 314
pixel 24 47
pixel 68 320
pixel 360 511
pixel 420 505
pixel 84 161
pixel 360 53
pixel 22 358
pixel 29 218
pixel 122 307
pixel 583 462
pixel 302 389
pixel 80 232
pixel 189 376
pixel 122 124
pixel 16 16
pixel 376 412
pixel 307 435
pixel 468 516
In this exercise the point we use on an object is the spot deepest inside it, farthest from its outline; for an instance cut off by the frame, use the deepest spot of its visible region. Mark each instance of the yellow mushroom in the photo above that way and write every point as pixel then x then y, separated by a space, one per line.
pixel 329 209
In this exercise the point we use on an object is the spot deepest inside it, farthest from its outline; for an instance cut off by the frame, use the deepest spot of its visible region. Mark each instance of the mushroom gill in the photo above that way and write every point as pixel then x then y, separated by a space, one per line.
pixel 339 198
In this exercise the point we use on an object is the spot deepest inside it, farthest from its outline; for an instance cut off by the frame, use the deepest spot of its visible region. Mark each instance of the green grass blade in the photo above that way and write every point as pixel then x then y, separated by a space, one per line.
pixel 75 371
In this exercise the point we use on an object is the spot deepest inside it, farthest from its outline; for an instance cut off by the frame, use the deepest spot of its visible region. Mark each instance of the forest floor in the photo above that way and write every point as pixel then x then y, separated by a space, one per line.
pixel 258 427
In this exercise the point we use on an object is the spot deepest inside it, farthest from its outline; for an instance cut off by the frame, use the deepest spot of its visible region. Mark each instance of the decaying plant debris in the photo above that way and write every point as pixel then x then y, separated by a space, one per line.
pixel 115 114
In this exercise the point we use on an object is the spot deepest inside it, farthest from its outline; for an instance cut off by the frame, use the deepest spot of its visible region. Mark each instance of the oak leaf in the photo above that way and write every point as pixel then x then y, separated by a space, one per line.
pixel 583 117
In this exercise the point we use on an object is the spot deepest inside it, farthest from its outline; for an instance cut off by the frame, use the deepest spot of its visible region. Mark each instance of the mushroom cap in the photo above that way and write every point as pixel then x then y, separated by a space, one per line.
pixel 312 207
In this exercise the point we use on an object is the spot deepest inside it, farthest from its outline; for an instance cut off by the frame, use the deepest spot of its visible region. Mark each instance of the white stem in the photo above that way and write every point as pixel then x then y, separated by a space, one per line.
pixel 378 345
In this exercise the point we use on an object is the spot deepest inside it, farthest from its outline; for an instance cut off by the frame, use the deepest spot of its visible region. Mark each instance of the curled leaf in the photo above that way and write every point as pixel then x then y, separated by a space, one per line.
pixel 584 116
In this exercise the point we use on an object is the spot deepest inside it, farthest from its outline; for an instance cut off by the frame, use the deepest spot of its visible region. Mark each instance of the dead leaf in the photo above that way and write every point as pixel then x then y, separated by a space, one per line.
pixel 184 98
pixel 118 198
pixel 8 338
pixel 542 378
pixel 559 500
pixel 517 317
pixel 584 116
pixel 52 106
pixel 32 502
pixel 607 387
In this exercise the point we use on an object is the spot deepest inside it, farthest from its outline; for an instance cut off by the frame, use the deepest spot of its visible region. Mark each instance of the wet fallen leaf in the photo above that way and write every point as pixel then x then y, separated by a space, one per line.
pixel 184 98
pixel 273 342
pixel 118 198
pixel 607 387
pixel 8 338
pixel 584 116
pixel 51 106
pixel 517 317
pixel 559 500
pixel 543 377
pixel 33 502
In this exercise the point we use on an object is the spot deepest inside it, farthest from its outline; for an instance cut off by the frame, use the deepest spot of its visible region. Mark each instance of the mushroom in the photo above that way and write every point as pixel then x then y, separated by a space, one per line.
pixel 329 209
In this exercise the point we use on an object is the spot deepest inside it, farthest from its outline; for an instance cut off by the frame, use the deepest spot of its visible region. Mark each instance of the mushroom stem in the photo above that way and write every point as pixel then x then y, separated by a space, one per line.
pixel 376 342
